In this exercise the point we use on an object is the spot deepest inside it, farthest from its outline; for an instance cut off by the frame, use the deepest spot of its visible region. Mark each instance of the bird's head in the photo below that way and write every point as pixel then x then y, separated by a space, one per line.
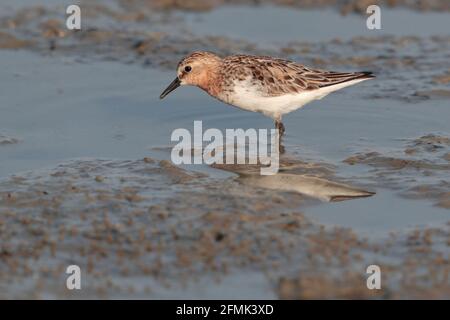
pixel 196 69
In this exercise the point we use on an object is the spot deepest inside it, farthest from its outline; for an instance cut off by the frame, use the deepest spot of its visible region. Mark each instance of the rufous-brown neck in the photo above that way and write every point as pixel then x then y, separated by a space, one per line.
pixel 210 79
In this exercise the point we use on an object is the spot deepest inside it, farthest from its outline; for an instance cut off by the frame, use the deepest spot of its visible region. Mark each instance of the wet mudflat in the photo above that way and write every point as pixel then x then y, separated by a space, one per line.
pixel 86 176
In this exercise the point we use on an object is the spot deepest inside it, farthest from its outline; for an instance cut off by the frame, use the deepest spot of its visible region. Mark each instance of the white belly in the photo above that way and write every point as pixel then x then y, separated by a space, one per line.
pixel 247 98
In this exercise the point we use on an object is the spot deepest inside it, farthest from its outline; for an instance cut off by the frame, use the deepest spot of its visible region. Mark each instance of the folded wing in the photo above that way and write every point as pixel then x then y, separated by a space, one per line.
pixel 277 77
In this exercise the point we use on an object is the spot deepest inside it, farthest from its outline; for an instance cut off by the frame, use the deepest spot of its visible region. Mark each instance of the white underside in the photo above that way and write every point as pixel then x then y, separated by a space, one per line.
pixel 247 98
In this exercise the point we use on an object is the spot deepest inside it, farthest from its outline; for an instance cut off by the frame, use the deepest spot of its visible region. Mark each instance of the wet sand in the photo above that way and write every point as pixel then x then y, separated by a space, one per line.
pixel 86 177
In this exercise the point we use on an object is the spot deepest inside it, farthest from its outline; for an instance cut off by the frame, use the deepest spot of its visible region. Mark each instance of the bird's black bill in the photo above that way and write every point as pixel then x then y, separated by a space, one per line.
pixel 175 84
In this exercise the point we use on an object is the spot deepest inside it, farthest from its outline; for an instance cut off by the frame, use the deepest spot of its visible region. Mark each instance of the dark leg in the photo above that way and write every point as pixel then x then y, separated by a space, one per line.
pixel 282 129
pixel 279 125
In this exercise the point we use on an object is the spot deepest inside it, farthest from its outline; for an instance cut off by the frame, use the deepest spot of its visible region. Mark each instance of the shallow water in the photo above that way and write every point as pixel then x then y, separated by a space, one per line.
pixel 372 217
pixel 61 109
pixel 115 112
pixel 270 24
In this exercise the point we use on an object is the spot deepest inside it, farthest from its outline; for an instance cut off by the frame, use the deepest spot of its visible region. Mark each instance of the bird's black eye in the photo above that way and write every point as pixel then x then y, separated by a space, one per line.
pixel 187 68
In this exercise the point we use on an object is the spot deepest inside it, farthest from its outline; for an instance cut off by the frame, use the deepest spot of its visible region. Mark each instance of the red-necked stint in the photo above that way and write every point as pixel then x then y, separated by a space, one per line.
pixel 263 84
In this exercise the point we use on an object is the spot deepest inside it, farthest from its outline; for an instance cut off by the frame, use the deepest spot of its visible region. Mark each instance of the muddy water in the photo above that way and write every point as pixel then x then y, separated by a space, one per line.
pixel 86 177
pixel 66 111
pixel 309 25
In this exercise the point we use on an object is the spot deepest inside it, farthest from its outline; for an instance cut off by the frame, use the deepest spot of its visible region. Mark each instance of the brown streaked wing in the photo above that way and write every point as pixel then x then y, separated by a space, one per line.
pixel 277 76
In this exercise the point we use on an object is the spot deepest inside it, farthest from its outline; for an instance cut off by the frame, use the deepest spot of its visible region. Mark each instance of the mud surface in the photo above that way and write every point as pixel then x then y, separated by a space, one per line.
pixel 86 176
pixel 140 228
pixel 345 7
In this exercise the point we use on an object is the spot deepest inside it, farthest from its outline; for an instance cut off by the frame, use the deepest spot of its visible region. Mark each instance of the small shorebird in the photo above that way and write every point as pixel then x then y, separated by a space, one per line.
pixel 268 85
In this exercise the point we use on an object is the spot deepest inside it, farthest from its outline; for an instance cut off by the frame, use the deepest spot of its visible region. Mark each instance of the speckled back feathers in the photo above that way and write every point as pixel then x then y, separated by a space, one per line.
pixel 275 77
